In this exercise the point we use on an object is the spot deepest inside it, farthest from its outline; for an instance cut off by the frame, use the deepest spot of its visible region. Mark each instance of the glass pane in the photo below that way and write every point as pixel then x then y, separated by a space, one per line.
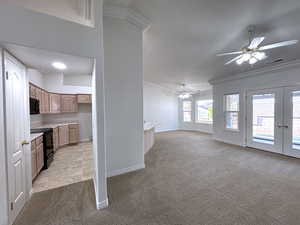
pixel 204 111
pixel 296 120
pixel 232 120
pixel 187 116
pixel 263 118
pixel 232 102
pixel 187 106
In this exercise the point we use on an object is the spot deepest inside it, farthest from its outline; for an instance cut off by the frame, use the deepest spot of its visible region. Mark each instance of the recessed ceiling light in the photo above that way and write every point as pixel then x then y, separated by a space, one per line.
pixel 59 65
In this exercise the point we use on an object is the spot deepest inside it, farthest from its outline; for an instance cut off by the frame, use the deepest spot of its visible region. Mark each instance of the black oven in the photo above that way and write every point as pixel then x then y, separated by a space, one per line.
pixel 47 143
pixel 34 106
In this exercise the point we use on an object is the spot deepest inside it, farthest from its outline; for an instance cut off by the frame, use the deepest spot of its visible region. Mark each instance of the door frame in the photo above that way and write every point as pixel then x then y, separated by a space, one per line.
pixel 278 113
pixel 288 121
pixel 27 148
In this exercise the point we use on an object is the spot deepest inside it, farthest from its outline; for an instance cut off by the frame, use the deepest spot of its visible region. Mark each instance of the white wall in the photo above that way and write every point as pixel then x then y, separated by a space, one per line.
pixel 123 51
pixel 30 29
pixel 160 107
pixel 276 77
pixel 202 127
pixel 65 9
pixel 55 83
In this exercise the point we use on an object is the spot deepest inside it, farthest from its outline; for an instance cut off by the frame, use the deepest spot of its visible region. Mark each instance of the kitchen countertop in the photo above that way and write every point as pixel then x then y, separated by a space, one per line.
pixel 34 136
pixel 148 126
pixel 54 125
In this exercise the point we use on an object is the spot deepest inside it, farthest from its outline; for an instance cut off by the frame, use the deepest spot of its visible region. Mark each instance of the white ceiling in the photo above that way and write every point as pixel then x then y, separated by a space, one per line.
pixel 185 36
pixel 42 60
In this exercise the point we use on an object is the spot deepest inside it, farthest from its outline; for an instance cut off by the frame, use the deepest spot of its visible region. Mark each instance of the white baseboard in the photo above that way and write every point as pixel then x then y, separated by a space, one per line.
pixel 165 130
pixel 102 205
pixel 86 140
pixel 125 170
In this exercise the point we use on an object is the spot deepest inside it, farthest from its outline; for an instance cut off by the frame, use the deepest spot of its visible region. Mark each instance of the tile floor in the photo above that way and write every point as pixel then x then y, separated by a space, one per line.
pixel 71 164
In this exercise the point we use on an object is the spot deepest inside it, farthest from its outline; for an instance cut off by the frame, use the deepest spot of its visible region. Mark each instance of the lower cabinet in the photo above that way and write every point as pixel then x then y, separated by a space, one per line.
pixel 55 139
pixel 73 133
pixel 63 132
pixel 37 156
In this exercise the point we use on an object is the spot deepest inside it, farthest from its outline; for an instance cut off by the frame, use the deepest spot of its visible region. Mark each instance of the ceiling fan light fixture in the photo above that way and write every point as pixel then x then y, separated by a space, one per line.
pixel 240 61
pixel 246 57
pixel 252 60
pixel 184 95
pixel 259 55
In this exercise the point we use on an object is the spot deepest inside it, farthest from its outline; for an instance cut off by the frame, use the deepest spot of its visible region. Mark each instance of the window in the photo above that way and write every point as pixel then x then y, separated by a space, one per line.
pixel 232 109
pixel 187 111
pixel 204 111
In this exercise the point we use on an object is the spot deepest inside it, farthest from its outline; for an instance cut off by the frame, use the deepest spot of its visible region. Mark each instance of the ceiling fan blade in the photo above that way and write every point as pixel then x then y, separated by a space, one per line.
pixel 230 53
pixel 256 42
pixel 234 59
pixel 278 44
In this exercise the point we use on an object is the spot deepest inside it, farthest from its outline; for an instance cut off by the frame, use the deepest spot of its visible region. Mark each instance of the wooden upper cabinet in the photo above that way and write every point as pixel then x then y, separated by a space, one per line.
pixel 32 91
pixel 63 132
pixel 84 98
pixel 39 97
pixel 54 103
pixel 69 103
pixel 46 102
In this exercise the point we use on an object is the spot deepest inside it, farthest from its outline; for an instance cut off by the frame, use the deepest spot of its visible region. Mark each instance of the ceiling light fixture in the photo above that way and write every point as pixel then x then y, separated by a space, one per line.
pixel 184 94
pixel 59 65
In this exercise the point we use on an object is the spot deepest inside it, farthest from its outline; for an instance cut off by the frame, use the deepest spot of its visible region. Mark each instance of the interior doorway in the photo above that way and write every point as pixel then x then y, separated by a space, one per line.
pixel 48 120
pixel 273 120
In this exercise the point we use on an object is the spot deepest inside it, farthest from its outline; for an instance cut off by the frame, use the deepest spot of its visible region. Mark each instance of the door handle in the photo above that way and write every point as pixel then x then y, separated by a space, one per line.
pixel 282 126
pixel 25 142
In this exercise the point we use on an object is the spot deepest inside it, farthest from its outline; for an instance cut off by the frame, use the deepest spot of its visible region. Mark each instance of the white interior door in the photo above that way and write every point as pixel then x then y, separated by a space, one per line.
pixel 265 119
pixel 15 87
pixel 292 121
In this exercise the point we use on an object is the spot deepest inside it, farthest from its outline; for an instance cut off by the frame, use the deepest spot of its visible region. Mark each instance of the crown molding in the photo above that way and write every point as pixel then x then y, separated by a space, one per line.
pixel 127 14
pixel 256 72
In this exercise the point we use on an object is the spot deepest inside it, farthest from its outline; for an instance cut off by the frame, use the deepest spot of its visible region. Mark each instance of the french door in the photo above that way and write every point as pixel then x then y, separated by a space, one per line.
pixel 273 120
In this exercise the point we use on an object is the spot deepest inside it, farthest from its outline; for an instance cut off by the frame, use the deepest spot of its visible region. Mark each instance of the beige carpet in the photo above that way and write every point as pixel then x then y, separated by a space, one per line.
pixel 190 179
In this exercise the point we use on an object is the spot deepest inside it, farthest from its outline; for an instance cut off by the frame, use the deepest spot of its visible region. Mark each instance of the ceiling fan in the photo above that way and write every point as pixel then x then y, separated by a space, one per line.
pixel 254 52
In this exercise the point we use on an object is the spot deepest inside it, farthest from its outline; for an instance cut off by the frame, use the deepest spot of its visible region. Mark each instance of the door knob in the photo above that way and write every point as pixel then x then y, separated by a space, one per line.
pixel 25 142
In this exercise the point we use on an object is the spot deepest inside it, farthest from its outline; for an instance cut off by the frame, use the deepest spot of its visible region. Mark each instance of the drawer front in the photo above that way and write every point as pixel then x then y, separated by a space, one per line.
pixel 39 140
pixel 84 98
pixel 33 145
pixel 73 126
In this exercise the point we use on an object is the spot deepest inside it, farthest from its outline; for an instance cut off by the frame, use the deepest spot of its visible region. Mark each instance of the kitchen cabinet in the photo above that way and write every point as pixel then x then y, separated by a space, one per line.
pixel 73 133
pixel 69 103
pixel 84 99
pixel 55 139
pixel 32 91
pixel 38 92
pixel 63 132
pixel 33 160
pixel 54 103
pixel 45 102
pixel 37 156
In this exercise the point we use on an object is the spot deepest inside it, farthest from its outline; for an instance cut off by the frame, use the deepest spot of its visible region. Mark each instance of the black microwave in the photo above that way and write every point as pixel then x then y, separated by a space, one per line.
pixel 34 106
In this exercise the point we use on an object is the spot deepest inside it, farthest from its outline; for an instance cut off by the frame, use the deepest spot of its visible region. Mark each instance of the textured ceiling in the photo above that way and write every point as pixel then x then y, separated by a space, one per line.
pixel 186 35
pixel 42 60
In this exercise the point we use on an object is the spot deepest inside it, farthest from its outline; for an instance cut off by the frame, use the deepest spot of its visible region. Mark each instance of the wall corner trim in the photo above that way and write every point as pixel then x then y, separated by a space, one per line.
pixel 102 205
pixel 126 170
pixel 127 14
pixel 255 72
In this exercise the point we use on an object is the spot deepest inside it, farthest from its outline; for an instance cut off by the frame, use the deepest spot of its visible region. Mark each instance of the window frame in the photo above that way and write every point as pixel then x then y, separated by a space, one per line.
pixel 190 111
pixel 196 112
pixel 226 112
